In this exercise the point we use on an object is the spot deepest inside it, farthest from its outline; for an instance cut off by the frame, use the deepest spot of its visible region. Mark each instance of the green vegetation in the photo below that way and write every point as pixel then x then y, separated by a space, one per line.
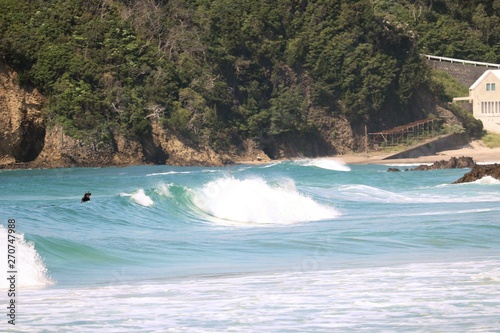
pixel 491 140
pixel 472 126
pixel 220 71
pixel 450 87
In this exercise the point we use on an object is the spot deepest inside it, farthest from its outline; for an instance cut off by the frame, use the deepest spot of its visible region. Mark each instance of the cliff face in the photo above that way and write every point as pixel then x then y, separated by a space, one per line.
pixel 22 130
pixel 26 141
pixel 61 150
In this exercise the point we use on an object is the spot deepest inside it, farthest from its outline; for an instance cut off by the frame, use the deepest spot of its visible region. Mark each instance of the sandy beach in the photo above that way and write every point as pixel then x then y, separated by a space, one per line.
pixel 479 153
pixel 475 149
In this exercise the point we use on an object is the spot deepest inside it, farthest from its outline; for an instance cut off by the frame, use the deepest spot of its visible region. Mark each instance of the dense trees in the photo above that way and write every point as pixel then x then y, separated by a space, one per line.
pixel 222 70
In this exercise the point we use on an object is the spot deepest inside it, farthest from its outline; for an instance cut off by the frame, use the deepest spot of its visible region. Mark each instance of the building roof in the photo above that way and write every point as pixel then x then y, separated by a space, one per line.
pixel 495 72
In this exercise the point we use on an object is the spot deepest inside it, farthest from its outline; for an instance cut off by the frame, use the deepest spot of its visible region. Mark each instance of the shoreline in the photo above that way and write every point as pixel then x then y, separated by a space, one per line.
pixel 475 149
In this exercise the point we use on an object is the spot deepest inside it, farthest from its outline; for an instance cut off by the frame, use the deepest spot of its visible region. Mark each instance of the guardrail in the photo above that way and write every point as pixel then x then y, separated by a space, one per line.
pixel 461 61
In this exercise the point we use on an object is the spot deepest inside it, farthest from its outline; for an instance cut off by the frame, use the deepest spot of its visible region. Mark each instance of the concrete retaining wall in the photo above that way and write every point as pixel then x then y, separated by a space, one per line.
pixel 463 73
pixel 449 142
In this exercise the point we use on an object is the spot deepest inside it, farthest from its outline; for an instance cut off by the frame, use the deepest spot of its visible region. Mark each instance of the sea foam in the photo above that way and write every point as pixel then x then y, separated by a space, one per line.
pixel 487 180
pixel 142 198
pixel 365 193
pixel 139 197
pixel 163 190
pixel 253 201
pixel 29 267
pixel 323 163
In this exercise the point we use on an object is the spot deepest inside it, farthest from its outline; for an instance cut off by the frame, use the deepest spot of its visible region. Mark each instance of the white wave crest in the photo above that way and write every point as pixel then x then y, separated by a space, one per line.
pixel 29 267
pixel 365 193
pixel 325 163
pixel 166 173
pixel 140 197
pixel 164 190
pixel 253 201
pixel 487 180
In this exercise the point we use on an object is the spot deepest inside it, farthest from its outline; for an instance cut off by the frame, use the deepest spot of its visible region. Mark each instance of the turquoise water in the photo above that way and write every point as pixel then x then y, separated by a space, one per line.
pixel 303 246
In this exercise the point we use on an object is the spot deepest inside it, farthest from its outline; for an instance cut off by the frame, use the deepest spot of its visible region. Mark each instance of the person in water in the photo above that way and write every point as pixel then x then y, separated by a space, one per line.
pixel 86 197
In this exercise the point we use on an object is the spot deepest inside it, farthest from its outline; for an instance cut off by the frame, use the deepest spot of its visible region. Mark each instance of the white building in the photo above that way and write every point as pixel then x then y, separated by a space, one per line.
pixel 484 95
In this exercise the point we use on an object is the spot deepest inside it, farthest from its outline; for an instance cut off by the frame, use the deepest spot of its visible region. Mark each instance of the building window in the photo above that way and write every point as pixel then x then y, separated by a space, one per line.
pixel 490 87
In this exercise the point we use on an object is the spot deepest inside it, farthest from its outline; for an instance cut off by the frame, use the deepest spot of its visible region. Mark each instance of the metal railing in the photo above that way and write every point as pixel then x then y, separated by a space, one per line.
pixel 461 61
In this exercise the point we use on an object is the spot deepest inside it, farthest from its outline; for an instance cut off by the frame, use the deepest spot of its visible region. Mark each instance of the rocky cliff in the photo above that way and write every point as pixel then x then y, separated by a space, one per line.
pixel 26 141
pixel 22 130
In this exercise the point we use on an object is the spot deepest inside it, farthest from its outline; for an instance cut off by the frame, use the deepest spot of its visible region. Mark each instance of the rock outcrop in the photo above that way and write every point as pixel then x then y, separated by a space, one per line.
pixel 180 153
pixel 26 141
pixel 452 163
pixel 480 171
pixel 22 130
pixel 61 150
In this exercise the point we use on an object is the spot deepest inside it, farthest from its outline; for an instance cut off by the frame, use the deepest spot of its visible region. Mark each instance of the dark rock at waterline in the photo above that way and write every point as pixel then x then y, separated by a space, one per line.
pixel 480 171
pixel 452 163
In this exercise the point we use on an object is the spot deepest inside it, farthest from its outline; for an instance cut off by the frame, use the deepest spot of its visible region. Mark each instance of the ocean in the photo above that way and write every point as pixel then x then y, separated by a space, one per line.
pixel 311 245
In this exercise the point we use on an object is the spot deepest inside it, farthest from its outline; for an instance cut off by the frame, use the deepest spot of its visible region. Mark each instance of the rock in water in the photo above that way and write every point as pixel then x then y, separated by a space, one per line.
pixel 452 163
pixel 480 171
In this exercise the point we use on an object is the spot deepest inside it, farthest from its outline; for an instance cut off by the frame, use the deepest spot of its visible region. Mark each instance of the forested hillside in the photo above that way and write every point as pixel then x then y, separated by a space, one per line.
pixel 217 72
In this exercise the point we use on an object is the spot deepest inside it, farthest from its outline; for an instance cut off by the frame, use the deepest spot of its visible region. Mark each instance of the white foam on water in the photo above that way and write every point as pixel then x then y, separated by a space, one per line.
pixel 487 180
pixel 269 165
pixel 405 164
pixel 357 192
pixel 29 267
pixel 486 163
pixel 167 173
pixel 139 197
pixel 413 297
pixel 255 202
pixel 325 163
pixel 164 190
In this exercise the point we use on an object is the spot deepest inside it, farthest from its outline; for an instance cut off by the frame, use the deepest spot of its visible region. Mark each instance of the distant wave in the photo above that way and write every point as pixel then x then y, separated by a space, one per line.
pixel 486 163
pixel 365 193
pixel 256 202
pixel 179 172
pixel 29 264
pixel 405 164
pixel 166 173
pixel 324 163
pixel 269 165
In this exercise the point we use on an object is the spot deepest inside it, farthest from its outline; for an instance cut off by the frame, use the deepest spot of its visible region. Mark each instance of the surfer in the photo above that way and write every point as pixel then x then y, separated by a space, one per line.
pixel 86 197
